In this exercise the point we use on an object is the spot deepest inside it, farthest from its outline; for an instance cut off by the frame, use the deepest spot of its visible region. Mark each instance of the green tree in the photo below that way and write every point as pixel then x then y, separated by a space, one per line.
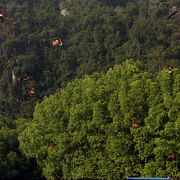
pixel 86 130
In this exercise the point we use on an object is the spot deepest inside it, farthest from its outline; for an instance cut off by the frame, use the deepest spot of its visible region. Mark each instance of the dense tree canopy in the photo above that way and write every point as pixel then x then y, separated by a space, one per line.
pixel 72 108
pixel 89 124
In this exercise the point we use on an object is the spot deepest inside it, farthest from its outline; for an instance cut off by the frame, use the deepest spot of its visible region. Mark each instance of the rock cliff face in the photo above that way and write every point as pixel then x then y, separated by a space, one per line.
pixel 63 10
pixel 13 78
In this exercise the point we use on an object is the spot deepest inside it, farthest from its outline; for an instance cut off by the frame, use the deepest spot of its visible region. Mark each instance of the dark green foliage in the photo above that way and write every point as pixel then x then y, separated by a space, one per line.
pixel 13 165
pixel 95 34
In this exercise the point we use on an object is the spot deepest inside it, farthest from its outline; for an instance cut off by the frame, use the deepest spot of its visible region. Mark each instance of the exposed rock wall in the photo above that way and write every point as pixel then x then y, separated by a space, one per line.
pixel 13 78
pixel 63 10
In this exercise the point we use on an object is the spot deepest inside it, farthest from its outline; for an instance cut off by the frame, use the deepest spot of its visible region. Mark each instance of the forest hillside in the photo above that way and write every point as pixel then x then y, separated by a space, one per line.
pixel 96 35
pixel 102 103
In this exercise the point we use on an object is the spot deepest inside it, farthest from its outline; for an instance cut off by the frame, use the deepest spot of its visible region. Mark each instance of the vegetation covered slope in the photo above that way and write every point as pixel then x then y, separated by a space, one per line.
pixel 87 130
pixel 13 164
pixel 109 125
pixel 96 35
